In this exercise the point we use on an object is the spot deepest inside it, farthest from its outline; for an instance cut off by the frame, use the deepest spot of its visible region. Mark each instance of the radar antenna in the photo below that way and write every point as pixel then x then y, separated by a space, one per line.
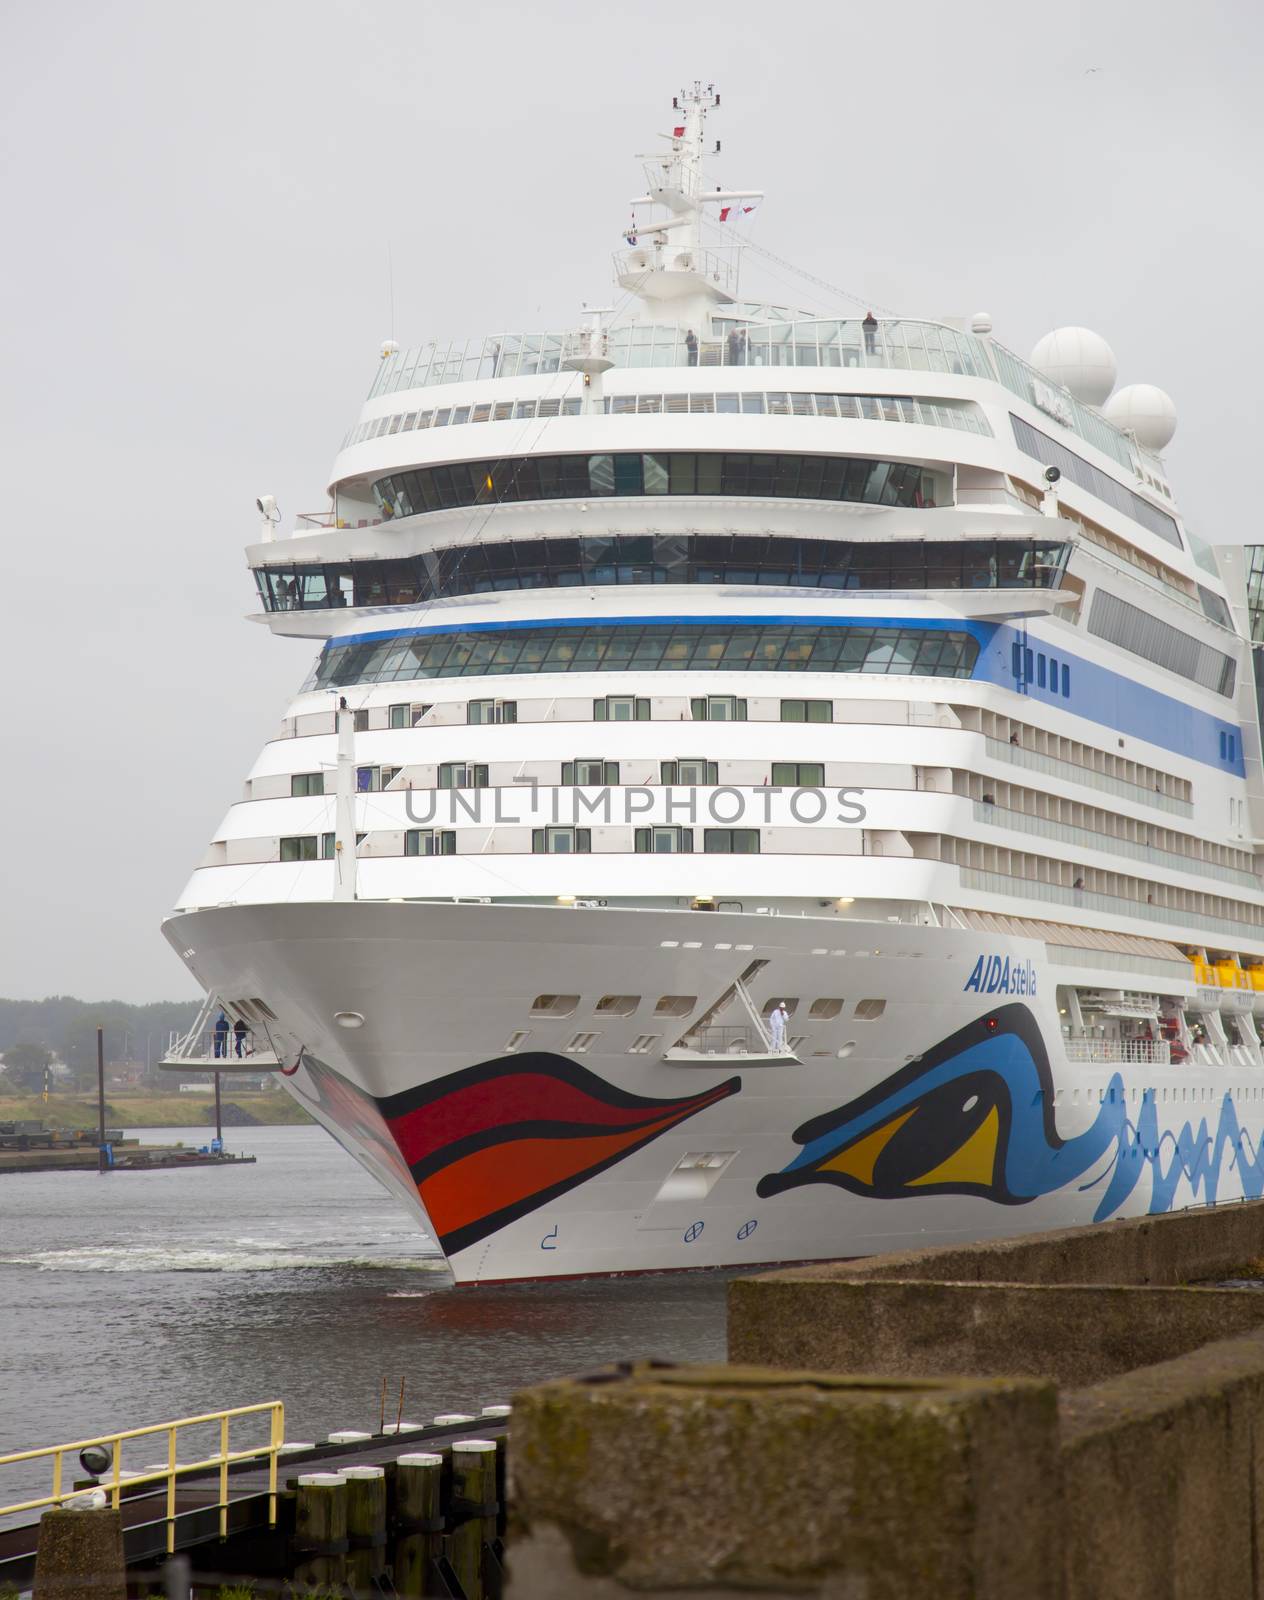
pixel 666 266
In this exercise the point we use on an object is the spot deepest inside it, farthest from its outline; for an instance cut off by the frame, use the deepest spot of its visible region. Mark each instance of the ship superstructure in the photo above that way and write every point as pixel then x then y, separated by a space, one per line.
pixel 771 787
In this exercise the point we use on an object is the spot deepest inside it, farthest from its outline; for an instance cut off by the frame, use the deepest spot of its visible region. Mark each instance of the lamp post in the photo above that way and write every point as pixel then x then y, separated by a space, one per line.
pixel 103 1156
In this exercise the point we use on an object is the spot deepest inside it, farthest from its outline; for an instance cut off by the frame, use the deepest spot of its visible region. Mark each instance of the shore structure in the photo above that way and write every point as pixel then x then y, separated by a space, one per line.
pixel 771 787
pixel 848 1448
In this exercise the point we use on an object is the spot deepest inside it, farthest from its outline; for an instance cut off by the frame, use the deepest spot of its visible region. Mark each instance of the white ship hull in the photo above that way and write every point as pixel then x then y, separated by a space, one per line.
pixel 549 1146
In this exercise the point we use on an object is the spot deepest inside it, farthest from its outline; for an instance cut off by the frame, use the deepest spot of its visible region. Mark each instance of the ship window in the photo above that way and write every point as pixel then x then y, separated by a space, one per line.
pixel 620 708
pixel 675 1005
pixel 309 783
pixel 867 1010
pixel 360 722
pixel 368 779
pixel 1066 679
pixel 731 841
pixel 462 775
pixel 554 1005
pixel 1041 666
pixel 642 1044
pixel 807 711
pixel 299 849
pixel 581 1043
pixel 429 842
pixel 798 774
pixel 328 842
pixel 485 711
pixel 617 1005
pixel 823 1010
pixel 663 841
pixel 689 771
pixel 589 773
pixel 561 841
pixel 718 707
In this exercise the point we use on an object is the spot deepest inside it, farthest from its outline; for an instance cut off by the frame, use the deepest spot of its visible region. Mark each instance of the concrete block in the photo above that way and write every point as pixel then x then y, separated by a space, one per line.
pixel 80 1556
pixel 1181 1247
pixel 1071 1334
pixel 735 1480
pixel 1164 1478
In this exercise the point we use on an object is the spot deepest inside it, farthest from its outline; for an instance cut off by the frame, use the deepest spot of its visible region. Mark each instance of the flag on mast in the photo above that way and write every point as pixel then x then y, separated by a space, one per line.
pixel 731 213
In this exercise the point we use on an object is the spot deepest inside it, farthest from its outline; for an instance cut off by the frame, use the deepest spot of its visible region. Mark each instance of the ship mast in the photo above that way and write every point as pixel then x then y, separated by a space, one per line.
pixel 673 276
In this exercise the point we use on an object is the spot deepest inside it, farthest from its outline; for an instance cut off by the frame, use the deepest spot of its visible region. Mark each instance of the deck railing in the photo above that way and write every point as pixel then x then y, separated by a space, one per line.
pixel 169 1474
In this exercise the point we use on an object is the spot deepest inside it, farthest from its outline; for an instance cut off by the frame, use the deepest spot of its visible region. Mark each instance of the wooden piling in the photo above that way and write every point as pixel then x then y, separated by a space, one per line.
pixel 418 1521
pixel 474 1509
pixel 366 1526
pixel 320 1530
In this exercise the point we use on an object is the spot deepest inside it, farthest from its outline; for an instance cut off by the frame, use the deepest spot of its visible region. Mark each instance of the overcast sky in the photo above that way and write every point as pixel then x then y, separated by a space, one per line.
pixel 197 205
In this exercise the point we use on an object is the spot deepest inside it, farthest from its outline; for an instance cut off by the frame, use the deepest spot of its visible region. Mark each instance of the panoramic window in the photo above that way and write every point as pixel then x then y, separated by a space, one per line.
pixel 306 783
pixel 510 479
pixel 299 849
pixel 1082 473
pixel 940 652
pixel 915 564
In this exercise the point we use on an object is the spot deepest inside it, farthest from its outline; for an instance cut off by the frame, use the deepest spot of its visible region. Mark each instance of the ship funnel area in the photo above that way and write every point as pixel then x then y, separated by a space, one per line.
pixel 671 274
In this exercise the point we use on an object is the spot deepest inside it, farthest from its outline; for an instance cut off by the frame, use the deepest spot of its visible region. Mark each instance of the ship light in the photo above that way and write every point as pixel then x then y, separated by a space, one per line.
pixel 349 1019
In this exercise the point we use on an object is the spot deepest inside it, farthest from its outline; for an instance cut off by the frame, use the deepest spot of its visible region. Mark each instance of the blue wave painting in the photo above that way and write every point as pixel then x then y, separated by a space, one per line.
pixel 975 1115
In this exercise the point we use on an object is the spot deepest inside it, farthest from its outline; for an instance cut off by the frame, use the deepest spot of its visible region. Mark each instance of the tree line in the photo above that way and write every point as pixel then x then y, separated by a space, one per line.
pixel 35 1032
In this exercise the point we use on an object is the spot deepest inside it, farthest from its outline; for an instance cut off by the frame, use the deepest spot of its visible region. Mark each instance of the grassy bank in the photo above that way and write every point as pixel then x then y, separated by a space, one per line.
pixel 139 1108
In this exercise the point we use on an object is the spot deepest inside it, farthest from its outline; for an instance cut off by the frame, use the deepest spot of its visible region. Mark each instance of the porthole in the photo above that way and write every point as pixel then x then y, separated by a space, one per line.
pixel 675 1005
pixel 867 1010
pixel 823 1010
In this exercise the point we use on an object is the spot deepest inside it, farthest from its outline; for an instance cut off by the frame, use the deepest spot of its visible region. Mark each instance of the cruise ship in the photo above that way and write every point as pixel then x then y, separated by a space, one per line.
pixel 772 787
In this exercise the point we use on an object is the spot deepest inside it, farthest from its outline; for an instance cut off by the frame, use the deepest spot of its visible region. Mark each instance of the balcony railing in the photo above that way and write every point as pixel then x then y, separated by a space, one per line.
pixel 900 345
pixel 1132 1052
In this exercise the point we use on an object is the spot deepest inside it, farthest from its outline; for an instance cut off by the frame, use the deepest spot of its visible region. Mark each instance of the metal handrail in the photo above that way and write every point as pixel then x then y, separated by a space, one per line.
pixel 174 1468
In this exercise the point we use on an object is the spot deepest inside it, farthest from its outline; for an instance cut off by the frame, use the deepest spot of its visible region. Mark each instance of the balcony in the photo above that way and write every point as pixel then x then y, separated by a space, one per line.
pixel 709 1045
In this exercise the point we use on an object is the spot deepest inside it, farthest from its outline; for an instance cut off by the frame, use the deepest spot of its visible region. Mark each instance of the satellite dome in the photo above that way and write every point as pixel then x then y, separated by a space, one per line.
pixel 1080 360
pixel 981 322
pixel 1146 412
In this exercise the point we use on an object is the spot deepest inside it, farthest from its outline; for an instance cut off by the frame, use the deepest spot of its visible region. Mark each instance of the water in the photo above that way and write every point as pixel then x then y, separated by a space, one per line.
pixel 137 1297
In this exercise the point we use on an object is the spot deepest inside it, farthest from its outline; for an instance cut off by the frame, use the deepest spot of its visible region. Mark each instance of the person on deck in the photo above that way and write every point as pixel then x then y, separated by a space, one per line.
pixel 221 1035
pixel 870 326
pixel 780 1016
pixel 691 347
pixel 240 1030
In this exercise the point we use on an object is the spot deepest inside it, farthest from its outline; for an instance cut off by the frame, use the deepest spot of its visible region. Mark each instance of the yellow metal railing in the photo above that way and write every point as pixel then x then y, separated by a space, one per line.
pixel 174 1469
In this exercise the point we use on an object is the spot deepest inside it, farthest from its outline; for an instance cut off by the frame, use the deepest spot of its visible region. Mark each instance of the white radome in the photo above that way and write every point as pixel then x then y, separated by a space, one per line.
pixel 1146 411
pixel 1080 360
